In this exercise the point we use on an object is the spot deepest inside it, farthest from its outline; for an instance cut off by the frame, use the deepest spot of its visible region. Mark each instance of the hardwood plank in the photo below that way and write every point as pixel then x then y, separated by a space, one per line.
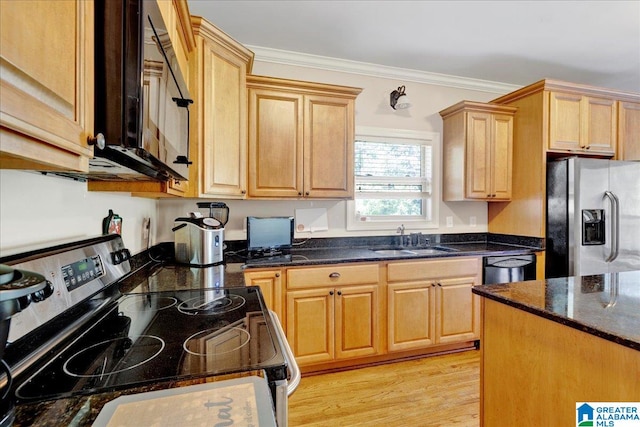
pixel 433 391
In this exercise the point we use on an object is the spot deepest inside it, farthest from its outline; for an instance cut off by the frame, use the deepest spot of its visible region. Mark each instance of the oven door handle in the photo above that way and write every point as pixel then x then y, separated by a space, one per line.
pixel 292 366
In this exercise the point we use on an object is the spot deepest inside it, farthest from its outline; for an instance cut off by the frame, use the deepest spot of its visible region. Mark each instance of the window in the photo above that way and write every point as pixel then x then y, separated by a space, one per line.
pixel 394 179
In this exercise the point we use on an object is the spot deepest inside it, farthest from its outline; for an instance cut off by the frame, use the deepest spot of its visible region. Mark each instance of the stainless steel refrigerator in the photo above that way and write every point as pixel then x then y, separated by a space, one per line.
pixel 593 217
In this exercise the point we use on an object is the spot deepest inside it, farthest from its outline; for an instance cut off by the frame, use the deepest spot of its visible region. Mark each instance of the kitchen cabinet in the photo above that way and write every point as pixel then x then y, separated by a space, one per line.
pixel 271 286
pixel 301 138
pixel 47 83
pixel 477 158
pixel 430 302
pixel 629 130
pixel 218 137
pixel 582 124
pixel 537 124
pixel 333 312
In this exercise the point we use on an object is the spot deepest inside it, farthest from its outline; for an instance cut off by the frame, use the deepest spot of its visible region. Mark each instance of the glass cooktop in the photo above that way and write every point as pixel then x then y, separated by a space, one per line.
pixel 163 336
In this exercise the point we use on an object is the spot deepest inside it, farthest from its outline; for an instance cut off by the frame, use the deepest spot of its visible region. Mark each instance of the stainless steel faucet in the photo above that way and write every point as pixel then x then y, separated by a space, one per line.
pixel 401 231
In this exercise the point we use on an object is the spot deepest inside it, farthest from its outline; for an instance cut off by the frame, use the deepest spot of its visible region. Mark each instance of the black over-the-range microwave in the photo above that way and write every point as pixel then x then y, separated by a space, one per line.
pixel 141 99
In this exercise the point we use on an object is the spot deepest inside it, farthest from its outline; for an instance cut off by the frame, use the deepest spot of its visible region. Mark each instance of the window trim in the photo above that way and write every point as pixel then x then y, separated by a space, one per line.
pixel 375 134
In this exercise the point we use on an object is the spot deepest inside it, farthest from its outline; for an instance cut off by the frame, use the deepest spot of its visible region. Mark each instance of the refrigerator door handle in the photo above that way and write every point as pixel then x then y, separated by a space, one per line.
pixel 615 225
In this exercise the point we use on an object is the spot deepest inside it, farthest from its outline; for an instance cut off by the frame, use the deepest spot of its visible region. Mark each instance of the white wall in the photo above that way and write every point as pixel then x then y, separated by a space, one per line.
pixel 38 211
pixel 372 109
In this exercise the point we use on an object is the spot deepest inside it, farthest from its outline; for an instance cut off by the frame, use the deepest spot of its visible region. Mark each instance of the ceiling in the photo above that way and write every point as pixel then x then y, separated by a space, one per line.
pixel 514 42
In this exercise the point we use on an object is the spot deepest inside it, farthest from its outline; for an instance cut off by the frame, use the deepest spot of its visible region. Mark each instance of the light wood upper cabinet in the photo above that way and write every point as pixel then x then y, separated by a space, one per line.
pixel 47 75
pixel 430 302
pixel 478 141
pixel 219 66
pixel 333 312
pixel 580 123
pixel 301 138
pixel 629 130
pixel 553 114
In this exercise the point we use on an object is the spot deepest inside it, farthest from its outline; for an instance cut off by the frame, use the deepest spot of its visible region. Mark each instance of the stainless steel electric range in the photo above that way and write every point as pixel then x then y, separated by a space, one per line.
pixel 89 342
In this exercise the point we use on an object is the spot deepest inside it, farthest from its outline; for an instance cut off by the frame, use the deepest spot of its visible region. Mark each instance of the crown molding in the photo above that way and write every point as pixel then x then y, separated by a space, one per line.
pixel 299 59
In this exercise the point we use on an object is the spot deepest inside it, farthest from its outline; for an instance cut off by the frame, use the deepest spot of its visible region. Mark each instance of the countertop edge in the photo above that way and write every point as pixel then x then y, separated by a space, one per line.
pixel 558 319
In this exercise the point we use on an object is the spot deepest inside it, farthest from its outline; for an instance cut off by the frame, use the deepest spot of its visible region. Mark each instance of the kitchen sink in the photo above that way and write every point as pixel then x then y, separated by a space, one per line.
pixel 414 252
pixel 394 252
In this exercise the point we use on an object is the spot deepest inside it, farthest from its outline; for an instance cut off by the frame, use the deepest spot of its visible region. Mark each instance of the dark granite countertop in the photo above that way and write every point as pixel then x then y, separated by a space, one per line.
pixel 169 276
pixel 337 255
pixel 605 305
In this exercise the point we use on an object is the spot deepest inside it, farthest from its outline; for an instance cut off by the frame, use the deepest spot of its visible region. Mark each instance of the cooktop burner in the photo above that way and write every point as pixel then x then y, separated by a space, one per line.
pixel 147 338
pixel 212 302
pixel 148 302
pixel 113 356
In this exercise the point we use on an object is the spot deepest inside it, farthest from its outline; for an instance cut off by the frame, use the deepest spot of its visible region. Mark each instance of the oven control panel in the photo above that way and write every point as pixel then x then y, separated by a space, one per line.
pixel 80 272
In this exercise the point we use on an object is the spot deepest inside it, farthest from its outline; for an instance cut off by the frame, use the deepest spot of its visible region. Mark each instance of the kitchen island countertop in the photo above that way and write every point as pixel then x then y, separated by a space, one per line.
pixel 605 305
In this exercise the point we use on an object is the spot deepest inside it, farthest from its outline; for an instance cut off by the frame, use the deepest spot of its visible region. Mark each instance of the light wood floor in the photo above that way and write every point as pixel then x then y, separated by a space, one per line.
pixel 432 391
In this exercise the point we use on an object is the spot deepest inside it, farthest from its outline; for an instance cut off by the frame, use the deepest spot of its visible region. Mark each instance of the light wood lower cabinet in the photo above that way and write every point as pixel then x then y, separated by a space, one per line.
pixel 270 283
pixel 333 312
pixel 535 369
pixel 430 302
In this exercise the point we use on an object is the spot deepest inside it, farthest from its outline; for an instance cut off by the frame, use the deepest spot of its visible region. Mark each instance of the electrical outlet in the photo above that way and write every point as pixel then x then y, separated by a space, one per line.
pixel 449 221
pixel 472 221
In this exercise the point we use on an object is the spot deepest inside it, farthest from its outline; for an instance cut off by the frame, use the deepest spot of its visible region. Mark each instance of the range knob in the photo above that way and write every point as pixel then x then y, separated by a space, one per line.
pixel 43 293
pixel 120 256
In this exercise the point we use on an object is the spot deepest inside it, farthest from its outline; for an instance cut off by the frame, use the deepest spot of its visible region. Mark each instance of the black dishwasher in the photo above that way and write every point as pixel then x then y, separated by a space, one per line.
pixel 506 269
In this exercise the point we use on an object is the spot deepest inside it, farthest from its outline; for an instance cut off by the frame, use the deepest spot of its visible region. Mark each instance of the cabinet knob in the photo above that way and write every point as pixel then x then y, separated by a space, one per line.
pixel 339 292
pixel 243 192
pixel 334 275
pixel 299 193
pixel 277 274
pixel 99 141
pixel 330 292
pixel 306 194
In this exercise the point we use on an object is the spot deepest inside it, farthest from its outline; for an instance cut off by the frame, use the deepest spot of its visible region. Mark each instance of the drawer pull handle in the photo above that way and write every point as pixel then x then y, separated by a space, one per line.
pixel 334 275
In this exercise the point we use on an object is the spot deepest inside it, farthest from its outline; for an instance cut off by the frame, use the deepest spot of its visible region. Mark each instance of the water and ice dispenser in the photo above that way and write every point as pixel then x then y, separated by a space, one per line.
pixel 593 227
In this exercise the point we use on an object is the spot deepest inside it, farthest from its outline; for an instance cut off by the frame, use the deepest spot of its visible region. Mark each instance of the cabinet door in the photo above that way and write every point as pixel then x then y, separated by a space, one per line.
pixel 311 326
pixel 47 84
pixel 356 323
pixel 478 160
pixel 411 322
pixel 582 123
pixel 270 282
pixel 501 157
pixel 457 310
pixel 275 143
pixel 328 147
pixel 628 131
pixel 224 129
pixel 564 122
pixel 601 123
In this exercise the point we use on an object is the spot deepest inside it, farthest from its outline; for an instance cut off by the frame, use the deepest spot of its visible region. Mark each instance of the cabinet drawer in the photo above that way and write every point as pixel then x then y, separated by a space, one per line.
pixel 441 269
pixel 332 276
